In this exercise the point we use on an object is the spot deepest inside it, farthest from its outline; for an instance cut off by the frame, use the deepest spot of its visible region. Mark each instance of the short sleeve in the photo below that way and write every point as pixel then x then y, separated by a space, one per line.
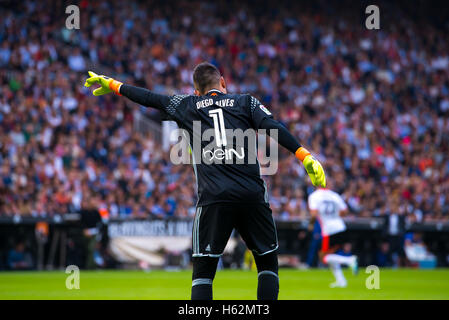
pixel 258 112
pixel 341 203
pixel 312 202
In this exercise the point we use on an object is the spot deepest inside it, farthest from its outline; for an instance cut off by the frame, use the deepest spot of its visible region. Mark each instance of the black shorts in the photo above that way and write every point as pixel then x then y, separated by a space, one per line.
pixel 332 243
pixel 213 225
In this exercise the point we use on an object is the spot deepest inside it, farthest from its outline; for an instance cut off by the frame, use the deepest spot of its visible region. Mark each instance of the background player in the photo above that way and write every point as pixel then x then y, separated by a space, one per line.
pixel 327 207
pixel 230 195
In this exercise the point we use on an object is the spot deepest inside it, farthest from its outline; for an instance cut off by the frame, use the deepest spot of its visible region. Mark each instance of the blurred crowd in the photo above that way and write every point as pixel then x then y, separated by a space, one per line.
pixel 372 105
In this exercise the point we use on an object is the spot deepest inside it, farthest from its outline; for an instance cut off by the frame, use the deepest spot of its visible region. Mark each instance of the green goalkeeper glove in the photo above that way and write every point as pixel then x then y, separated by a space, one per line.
pixel 312 166
pixel 107 84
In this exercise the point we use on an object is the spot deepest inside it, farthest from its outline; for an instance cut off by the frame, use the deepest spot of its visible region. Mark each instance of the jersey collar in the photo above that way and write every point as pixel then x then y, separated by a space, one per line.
pixel 211 92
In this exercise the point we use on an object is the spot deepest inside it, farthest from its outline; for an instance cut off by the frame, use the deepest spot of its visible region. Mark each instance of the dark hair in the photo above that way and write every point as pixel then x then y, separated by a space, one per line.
pixel 205 76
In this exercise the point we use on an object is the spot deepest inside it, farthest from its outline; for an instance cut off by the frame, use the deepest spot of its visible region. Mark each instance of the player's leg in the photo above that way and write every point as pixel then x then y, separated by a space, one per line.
pixel 340 280
pixel 267 276
pixel 204 269
pixel 333 258
pixel 349 261
pixel 330 244
pixel 336 258
pixel 326 250
pixel 257 228
pixel 212 227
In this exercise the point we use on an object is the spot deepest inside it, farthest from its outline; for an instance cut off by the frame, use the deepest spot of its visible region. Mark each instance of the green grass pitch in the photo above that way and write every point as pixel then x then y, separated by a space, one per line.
pixel 228 284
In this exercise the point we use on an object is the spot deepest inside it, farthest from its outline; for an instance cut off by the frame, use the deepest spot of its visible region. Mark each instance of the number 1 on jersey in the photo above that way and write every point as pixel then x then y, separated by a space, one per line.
pixel 220 131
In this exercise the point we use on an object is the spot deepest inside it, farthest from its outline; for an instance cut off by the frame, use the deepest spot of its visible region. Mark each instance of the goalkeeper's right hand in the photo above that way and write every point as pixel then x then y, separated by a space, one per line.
pixel 107 84
pixel 312 166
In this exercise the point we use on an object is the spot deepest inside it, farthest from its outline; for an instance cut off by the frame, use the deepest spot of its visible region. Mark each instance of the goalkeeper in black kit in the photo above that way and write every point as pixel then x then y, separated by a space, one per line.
pixel 231 194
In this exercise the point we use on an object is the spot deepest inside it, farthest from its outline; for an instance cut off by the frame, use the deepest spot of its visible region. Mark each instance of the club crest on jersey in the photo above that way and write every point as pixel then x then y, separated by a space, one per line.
pixel 264 109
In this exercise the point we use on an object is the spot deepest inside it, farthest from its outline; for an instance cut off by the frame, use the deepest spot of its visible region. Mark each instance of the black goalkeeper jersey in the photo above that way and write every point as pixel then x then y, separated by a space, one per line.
pixel 226 167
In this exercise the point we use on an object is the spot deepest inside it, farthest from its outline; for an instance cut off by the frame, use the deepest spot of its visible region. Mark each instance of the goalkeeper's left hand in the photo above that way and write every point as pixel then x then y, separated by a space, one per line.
pixel 107 84
pixel 312 166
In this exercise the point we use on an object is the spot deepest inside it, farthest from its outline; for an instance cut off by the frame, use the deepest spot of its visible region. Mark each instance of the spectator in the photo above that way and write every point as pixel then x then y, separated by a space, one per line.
pixel 383 255
pixel 417 252
pixel 19 258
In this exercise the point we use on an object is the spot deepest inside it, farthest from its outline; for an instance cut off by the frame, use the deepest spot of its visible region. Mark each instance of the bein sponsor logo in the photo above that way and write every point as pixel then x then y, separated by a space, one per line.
pixel 225 146
pixel 220 154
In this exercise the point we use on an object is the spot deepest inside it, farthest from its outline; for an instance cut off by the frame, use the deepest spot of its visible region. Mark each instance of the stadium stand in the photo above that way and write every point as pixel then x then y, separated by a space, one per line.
pixel 376 103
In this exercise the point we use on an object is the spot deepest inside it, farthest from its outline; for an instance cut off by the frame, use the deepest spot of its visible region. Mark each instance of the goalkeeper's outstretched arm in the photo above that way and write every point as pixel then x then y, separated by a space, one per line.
pixel 144 97
pixel 286 139
pixel 141 96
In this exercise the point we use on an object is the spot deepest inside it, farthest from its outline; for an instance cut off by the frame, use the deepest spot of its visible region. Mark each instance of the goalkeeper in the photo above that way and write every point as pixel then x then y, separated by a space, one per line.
pixel 230 195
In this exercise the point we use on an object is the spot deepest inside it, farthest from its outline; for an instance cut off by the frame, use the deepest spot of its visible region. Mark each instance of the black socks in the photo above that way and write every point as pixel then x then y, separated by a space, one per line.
pixel 268 286
pixel 202 292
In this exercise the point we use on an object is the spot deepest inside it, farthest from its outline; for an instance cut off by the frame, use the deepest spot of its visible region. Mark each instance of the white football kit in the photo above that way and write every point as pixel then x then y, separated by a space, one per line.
pixel 329 204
